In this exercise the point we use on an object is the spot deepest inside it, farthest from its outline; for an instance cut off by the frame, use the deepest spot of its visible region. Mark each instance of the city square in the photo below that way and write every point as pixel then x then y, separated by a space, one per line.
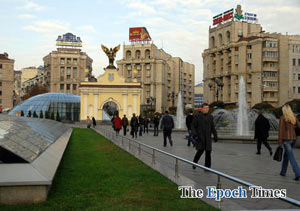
pixel 154 115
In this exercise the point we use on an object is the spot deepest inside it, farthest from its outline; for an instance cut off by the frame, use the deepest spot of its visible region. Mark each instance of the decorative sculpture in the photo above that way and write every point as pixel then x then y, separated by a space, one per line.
pixel 111 54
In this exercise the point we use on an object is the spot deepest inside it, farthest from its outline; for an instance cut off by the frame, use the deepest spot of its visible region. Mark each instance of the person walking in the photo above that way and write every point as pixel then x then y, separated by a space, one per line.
pixel 94 122
pixel 124 124
pixel 134 123
pixel 117 124
pixel 88 122
pixel 156 124
pixel 188 122
pixel 112 122
pixel 202 128
pixel 141 123
pixel 287 138
pixel 167 124
pixel 261 132
pixel 146 125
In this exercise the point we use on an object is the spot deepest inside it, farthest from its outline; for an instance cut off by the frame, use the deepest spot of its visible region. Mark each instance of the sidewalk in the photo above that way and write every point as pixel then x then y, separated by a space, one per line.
pixel 234 159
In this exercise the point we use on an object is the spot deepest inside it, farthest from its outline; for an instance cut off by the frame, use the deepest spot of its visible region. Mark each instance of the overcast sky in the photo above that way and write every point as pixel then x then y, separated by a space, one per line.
pixel 29 28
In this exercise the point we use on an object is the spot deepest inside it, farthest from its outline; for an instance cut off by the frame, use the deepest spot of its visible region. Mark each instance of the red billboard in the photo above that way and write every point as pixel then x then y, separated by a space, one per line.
pixel 139 34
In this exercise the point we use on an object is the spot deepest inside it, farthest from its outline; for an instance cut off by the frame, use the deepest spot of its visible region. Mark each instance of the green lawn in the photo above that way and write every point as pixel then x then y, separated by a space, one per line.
pixel 97 175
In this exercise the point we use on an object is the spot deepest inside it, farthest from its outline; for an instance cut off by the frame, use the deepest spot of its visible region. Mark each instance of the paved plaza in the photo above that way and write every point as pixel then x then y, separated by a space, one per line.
pixel 235 159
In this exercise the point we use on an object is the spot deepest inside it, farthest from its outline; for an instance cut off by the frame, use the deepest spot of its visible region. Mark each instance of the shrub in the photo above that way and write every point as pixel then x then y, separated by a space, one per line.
pixel 41 114
pixel 29 114
pixel 35 115
pixel 22 113
pixel 47 115
pixel 57 117
pixel 52 116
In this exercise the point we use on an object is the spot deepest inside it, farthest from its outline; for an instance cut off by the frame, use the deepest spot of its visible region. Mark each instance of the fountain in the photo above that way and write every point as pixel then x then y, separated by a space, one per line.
pixel 180 120
pixel 242 118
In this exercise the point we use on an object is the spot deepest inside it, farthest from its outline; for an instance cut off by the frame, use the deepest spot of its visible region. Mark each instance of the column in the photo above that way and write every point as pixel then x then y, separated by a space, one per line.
pixel 125 104
pixel 135 103
pixel 85 105
pixel 96 106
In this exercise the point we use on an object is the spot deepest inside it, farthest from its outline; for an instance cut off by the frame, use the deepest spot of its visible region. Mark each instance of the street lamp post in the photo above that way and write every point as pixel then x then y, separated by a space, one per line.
pixel 218 86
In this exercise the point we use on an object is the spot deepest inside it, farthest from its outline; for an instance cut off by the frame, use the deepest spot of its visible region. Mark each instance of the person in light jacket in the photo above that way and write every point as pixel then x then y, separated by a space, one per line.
pixel 287 136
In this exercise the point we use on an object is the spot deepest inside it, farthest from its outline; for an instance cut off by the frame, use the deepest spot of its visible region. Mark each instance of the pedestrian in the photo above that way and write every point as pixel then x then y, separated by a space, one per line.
pixel 134 123
pixel 117 124
pixel 94 122
pixel 146 124
pixel 141 123
pixel 202 128
pixel 156 124
pixel 287 137
pixel 262 127
pixel 188 122
pixel 167 124
pixel 88 122
pixel 124 124
pixel 112 122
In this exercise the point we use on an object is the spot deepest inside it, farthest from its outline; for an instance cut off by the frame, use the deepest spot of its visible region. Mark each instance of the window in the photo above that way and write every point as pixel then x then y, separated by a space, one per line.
pixel 148 73
pixel 61 78
pixel 299 90
pixel 294 62
pixel 62 86
pixel 294 76
pixel 68 86
pixel 0 101
pixel 299 77
pixel 0 93
pixel 0 75
pixel 74 71
pixel 236 48
pixel 68 60
pixel 249 47
pixel 74 86
pixel 271 94
pixel 0 66
pixel 272 64
pixel 68 76
pixel 75 61
pixel 294 90
pixel 148 94
pixel 68 70
pixel 0 83
pixel 62 70
pixel 298 62
pixel 62 60
pixel 249 55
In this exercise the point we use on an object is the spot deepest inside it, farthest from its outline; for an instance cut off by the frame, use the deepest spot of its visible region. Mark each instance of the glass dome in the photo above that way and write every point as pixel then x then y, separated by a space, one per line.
pixel 67 105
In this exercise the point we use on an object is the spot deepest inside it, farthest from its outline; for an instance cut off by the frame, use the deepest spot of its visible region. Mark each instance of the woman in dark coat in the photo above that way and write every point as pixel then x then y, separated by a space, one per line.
pixel 94 122
pixel 262 127
pixel 202 128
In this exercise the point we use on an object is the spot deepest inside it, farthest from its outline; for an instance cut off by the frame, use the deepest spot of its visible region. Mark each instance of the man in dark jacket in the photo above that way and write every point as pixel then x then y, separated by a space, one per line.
pixel 124 124
pixel 134 123
pixel 262 127
pixel 202 128
pixel 188 122
pixel 141 123
pixel 167 124
pixel 156 124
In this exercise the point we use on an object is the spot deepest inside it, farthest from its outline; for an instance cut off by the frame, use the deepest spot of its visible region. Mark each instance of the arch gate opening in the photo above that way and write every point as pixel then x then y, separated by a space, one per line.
pixel 110 109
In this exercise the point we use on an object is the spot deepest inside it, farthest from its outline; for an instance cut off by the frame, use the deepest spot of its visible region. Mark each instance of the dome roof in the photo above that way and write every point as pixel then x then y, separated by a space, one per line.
pixel 43 101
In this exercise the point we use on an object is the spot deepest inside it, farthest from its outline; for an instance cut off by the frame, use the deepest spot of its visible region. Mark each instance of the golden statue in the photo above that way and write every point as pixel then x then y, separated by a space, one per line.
pixel 111 54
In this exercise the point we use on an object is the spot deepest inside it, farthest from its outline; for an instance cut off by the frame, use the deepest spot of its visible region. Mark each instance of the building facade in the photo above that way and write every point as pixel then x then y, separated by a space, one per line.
pixel 161 75
pixel 17 87
pixel 266 61
pixel 40 79
pixel 198 95
pixel 6 81
pixel 109 96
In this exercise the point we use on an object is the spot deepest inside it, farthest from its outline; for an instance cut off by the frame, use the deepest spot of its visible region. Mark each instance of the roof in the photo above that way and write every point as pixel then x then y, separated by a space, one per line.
pixel 4 56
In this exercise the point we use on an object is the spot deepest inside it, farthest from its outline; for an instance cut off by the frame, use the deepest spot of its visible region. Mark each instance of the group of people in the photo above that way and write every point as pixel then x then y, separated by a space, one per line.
pixel 139 124
pixel 201 128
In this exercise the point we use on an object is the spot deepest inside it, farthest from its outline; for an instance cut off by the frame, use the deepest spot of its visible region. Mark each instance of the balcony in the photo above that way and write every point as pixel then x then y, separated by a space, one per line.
pixel 270 89
pixel 270 59
pixel 270 99
pixel 270 79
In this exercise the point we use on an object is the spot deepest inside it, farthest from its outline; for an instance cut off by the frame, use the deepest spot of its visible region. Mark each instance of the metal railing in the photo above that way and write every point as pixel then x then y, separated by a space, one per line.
pixel 112 134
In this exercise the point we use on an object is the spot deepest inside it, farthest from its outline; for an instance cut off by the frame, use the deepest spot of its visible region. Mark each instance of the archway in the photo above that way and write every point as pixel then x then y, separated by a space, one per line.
pixel 110 108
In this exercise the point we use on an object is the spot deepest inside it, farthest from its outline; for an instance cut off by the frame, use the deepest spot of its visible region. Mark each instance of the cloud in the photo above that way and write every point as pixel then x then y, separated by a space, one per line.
pixel 48 27
pixel 29 5
pixel 142 8
pixel 26 16
pixel 87 28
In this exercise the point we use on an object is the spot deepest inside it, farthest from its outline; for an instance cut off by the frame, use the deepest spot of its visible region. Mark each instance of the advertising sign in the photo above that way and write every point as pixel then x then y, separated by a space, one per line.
pixel 139 34
pixel 69 39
